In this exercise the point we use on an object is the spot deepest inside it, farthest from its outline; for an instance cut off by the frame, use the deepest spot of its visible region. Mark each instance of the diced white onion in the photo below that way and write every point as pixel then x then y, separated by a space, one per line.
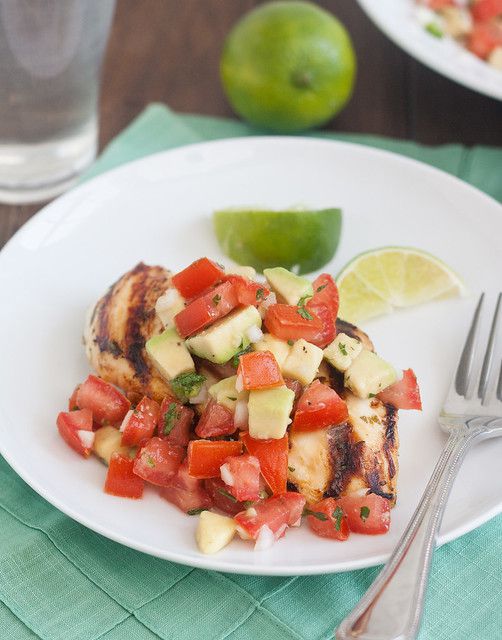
pixel 239 384
pixel 226 475
pixel 201 397
pixel 242 533
pixel 265 539
pixel 126 419
pixel 254 334
pixel 268 302
pixel 241 414
pixel 86 437
pixel 251 512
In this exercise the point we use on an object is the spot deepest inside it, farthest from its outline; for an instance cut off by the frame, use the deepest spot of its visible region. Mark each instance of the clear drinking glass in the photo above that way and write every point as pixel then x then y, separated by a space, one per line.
pixel 50 61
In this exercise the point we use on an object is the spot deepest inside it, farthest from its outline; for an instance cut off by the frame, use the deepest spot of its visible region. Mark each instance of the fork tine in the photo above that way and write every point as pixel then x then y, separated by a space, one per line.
pixel 499 385
pixel 487 361
pixel 463 374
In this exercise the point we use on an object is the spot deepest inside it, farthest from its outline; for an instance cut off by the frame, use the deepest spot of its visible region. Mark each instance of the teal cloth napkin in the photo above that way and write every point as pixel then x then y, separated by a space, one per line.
pixel 61 581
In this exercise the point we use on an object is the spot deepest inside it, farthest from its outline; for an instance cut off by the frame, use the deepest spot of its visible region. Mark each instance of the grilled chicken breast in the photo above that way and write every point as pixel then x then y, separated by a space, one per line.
pixel 360 454
pixel 118 327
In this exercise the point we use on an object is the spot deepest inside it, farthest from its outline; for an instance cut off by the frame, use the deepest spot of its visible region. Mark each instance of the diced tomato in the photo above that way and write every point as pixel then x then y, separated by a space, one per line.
pixel 259 370
pixel 186 492
pixel 484 37
pixel 121 479
pixel 216 420
pixel 320 406
pixel 367 514
pixel 241 474
pixel 486 9
pixel 203 311
pixel 175 422
pixel 158 461
pixel 276 513
pixel 328 332
pixel 69 425
pixel 295 503
pixel 221 498
pixel 205 457
pixel 247 291
pixel 197 277
pixel 72 402
pixel 273 458
pixel 288 322
pixel 328 519
pixel 107 404
pixel 403 394
pixel 325 293
pixel 141 423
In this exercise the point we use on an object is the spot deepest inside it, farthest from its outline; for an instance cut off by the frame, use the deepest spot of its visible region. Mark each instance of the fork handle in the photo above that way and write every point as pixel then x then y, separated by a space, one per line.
pixel 392 607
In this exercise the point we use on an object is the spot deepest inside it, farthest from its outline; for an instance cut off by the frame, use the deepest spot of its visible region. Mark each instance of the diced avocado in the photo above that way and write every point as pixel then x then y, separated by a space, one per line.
pixel 289 287
pixel 279 348
pixel 369 374
pixel 107 440
pixel 168 305
pixel 169 354
pixel 225 393
pixel 303 361
pixel 245 272
pixel 224 338
pixel 343 351
pixel 269 411
pixel 214 531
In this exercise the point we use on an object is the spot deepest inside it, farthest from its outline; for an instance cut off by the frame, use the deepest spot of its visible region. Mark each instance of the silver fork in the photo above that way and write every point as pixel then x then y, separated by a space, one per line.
pixel 392 607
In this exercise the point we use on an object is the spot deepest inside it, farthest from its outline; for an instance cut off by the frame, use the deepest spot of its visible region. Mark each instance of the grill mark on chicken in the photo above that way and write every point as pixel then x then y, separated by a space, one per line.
pixel 342 459
pixel 119 326
pixel 342 326
pixel 137 316
pixel 390 444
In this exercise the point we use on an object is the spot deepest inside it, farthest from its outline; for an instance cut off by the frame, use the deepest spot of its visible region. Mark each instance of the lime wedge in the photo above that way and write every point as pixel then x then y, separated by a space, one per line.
pixel 301 241
pixel 379 281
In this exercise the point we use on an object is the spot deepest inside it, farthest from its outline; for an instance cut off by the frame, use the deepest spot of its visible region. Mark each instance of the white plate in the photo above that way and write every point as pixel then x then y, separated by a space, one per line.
pixel 158 210
pixel 398 20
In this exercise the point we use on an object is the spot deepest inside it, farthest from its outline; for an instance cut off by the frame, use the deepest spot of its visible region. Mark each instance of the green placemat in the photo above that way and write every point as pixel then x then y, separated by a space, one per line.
pixel 60 581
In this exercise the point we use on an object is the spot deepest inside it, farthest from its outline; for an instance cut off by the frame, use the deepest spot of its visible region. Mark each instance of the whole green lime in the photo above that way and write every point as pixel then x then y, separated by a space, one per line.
pixel 288 66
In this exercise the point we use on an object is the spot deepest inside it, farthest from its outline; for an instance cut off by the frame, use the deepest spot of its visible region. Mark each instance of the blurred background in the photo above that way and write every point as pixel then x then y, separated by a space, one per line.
pixel 169 51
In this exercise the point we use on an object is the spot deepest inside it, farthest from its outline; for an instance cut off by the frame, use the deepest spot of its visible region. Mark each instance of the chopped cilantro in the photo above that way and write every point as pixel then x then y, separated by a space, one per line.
pixel 187 385
pixel 150 461
pixel 263 494
pixel 317 514
pixel 195 512
pixel 248 503
pixel 343 349
pixel 364 513
pixel 303 300
pixel 302 311
pixel 291 342
pixel 228 495
pixel 241 352
pixel 291 469
pixel 338 515
pixel 170 417
pixel 371 395
pixel 260 293
pixel 323 286
pixel 232 398
pixel 216 299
